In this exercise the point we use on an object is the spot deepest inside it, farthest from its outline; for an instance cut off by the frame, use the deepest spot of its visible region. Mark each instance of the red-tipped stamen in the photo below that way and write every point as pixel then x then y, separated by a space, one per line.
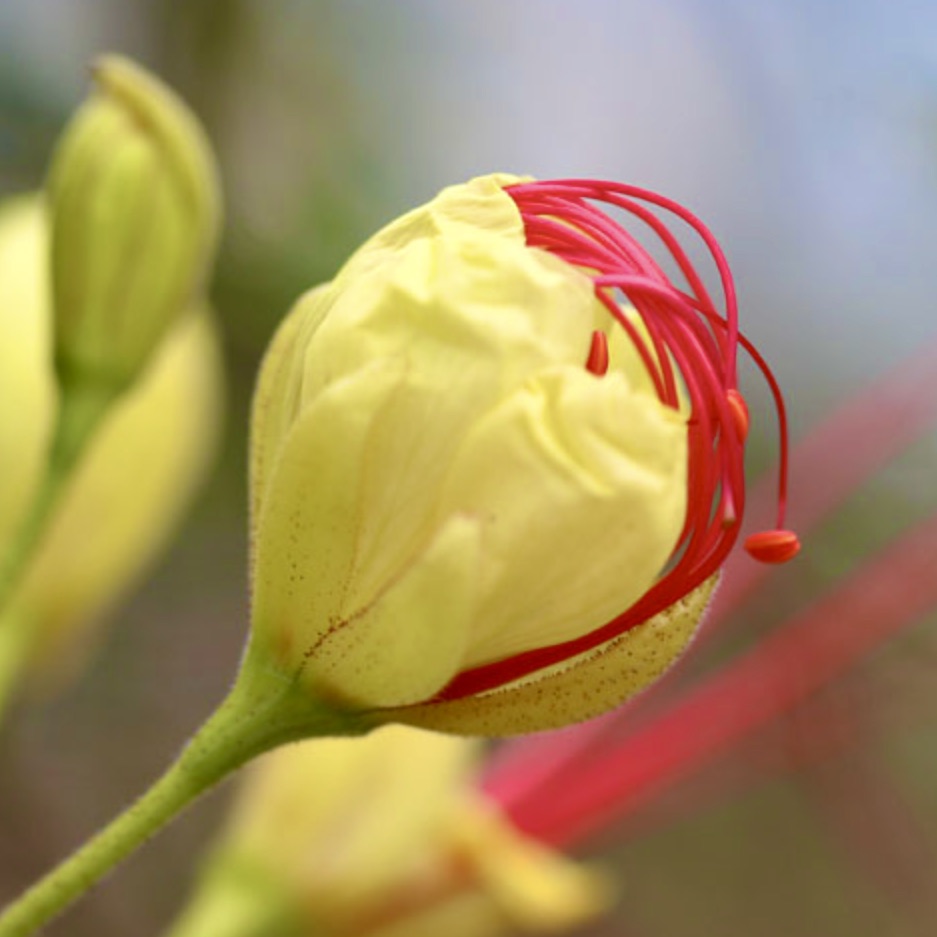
pixel 597 362
pixel 844 451
pixel 773 546
pixel 689 349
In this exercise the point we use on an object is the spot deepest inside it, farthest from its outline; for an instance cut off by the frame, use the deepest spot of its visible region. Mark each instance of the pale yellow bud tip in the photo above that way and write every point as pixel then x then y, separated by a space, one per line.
pixel 135 209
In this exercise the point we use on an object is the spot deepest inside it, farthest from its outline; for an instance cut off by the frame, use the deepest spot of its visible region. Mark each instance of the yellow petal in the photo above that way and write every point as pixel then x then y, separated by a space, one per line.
pixel 568 466
pixel 277 396
pixel 408 643
pixel 315 609
pixel 478 206
pixel 474 316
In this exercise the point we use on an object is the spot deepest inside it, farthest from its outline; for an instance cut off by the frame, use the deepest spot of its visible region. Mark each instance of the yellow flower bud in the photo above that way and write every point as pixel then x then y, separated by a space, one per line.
pixel 363 836
pixel 138 475
pixel 439 483
pixel 135 207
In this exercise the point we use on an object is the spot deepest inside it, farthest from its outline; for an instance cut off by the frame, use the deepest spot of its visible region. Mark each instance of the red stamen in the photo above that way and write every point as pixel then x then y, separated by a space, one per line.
pixel 689 349
pixel 739 410
pixel 597 362
pixel 773 546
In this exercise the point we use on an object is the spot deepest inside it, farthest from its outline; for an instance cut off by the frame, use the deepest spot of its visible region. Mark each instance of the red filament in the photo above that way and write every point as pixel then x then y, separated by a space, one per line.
pixel 739 410
pixel 689 348
pixel 597 362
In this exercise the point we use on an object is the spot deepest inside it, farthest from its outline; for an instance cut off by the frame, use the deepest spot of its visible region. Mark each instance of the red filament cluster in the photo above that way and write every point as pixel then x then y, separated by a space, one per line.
pixel 689 348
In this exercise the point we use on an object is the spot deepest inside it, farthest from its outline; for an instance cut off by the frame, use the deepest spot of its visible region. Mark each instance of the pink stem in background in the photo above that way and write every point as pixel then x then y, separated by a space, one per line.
pixel 885 595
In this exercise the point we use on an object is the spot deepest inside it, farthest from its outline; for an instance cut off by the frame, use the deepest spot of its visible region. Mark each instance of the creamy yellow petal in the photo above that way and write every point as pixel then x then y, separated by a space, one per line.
pixel 473 315
pixel 408 642
pixel 580 485
pixel 277 395
pixel 478 206
pixel 310 609
pixel 307 525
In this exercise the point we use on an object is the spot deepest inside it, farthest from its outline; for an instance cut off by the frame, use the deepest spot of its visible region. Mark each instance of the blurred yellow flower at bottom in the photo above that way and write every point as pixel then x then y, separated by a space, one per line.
pixel 383 836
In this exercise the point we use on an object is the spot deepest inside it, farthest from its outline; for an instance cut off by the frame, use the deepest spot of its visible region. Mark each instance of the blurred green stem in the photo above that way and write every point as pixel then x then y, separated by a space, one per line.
pixel 261 712
pixel 81 411
pixel 236 899
pixel 14 649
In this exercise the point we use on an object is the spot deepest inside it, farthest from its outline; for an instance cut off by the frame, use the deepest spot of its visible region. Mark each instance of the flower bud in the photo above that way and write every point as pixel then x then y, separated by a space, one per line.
pixel 475 468
pixel 134 206
pixel 138 474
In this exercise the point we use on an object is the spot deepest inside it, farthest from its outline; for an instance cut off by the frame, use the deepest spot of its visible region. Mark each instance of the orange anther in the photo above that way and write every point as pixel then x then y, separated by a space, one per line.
pixel 739 410
pixel 597 362
pixel 773 546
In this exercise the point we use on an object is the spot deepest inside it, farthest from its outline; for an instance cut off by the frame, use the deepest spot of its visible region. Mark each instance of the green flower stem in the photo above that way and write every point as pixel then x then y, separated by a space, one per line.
pixel 261 712
pixel 80 413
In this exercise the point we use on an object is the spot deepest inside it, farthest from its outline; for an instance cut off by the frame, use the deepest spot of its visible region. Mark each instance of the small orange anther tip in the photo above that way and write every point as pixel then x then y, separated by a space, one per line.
pixel 597 362
pixel 739 410
pixel 773 546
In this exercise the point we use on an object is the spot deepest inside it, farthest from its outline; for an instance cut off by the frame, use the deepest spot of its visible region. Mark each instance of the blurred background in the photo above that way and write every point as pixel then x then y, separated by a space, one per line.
pixel 804 133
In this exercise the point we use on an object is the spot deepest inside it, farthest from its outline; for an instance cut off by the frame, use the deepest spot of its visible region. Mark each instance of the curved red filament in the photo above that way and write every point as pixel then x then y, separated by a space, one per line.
pixel 689 348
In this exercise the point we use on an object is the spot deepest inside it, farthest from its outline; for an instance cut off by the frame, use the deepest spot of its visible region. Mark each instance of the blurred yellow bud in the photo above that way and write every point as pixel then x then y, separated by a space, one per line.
pixel 27 393
pixel 353 836
pixel 439 482
pixel 135 209
pixel 138 475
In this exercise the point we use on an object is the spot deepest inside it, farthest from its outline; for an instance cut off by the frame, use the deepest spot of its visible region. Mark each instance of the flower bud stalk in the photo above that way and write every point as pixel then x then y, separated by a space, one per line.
pixel 261 713
pixel 78 417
